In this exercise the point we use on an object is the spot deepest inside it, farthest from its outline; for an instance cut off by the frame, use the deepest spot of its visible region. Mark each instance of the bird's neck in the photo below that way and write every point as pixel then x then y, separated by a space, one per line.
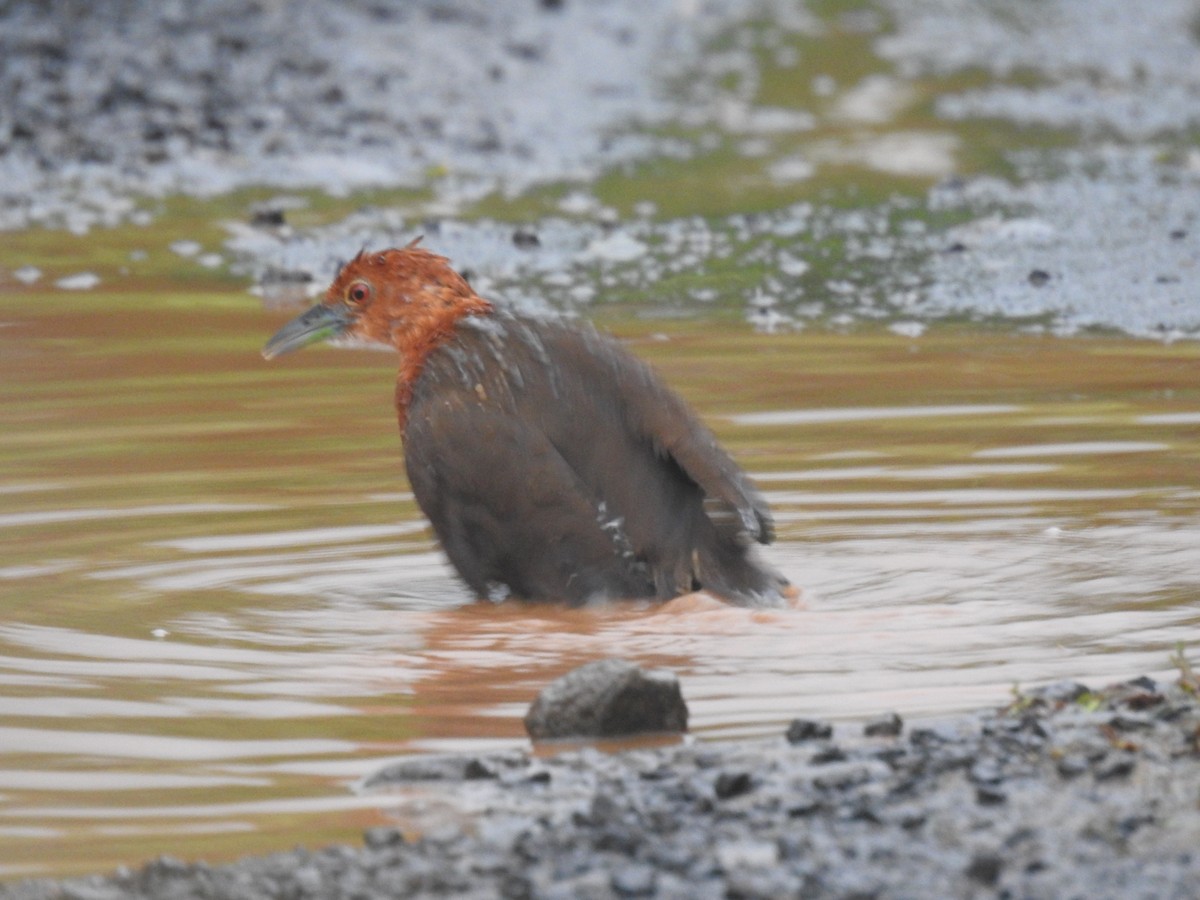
pixel 421 334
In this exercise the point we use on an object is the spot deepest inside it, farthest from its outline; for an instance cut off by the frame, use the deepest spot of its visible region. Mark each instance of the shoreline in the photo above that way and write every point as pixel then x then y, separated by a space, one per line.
pixel 1064 792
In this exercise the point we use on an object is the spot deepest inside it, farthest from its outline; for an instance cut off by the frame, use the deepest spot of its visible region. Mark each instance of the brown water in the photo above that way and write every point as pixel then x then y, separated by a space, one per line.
pixel 222 609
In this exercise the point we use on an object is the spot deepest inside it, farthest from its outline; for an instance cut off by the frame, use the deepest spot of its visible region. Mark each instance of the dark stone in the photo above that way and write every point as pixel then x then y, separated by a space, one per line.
pixel 428 768
pixel 831 754
pixel 894 755
pixel 732 784
pixel 807 807
pixel 266 216
pixel 1143 700
pixel 1115 767
pixel 1127 826
pixel 382 836
pixel 526 238
pixel 1039 277
pixel 985 868
pixel 478 769
pixel 990 795
pixel 1132 722
pixel 801 730
pixel 888 725
pixel 608 698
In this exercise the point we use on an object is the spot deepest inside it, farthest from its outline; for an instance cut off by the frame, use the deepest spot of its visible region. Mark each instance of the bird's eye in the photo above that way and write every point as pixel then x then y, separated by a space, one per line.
pixel 358 292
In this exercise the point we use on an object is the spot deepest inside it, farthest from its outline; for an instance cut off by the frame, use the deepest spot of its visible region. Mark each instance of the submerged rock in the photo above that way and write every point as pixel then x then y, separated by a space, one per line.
pixel 801 730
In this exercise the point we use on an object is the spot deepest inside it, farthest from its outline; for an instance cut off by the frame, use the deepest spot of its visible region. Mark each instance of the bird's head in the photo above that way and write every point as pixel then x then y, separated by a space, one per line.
pixel 407 298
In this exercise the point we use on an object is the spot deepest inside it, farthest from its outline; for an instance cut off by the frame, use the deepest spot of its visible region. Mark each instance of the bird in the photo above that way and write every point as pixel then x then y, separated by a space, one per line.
pixel 553 464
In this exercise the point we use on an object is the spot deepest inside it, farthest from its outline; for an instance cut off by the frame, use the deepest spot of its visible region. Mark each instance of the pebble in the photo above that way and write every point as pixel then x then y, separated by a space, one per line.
pixel 801 730
pixel 884 726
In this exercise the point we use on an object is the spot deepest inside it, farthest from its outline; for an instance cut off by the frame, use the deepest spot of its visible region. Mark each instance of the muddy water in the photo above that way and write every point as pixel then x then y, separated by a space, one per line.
pixel 221 607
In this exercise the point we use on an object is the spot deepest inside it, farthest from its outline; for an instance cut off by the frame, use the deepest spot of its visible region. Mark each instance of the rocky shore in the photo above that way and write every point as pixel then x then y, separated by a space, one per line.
pixel 1065 792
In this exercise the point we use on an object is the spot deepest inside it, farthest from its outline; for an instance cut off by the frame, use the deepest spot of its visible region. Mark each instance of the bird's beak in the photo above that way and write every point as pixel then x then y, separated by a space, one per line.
pixel 317 324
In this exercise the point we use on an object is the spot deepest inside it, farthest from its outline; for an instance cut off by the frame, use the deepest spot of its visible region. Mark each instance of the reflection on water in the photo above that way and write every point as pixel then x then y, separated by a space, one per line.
pixel 223 609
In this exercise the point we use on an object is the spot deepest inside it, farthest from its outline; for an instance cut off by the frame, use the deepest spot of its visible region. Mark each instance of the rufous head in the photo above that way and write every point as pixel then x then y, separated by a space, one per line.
pixel 405 297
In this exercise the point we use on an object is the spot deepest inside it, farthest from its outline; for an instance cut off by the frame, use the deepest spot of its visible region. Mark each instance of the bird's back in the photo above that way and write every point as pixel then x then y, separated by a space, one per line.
pixel 554 464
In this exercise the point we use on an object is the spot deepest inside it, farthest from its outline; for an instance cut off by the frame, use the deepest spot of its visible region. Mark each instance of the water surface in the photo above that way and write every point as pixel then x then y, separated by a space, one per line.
pixel 222 608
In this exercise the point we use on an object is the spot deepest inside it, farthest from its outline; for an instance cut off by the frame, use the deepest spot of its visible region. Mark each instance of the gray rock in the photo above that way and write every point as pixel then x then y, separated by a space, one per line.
pixel 801 730
pixel 888 725
pixel 433 768
pixel 608 698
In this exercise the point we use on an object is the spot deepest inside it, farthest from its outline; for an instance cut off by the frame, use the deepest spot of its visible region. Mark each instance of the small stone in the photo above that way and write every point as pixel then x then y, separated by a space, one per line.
pixel 89 890
pixel 167 866
pixel 308 881
pixel 990 795
pixel 446 767
pixel 831 754
pixel 1039 277
pixel 266 216
pixel 477 769
pixel 732 784
pixel 1143 700
pixel 1132 722
pixel 382 836
pixel 636 880
pixel 985 868
pixel 608 698
pixel 986 771
pixel 747 853
pixel 889 725
pixel 1072 765
pixel 801 730
pixel 526 238
pixel 1115 767
pixel 806 807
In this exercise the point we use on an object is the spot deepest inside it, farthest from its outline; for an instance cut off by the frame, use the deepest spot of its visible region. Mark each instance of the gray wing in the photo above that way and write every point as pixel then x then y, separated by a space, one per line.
pixel 660 416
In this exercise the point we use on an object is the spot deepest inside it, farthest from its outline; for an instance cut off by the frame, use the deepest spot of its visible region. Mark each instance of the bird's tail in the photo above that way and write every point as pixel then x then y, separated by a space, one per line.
pixel 737 575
